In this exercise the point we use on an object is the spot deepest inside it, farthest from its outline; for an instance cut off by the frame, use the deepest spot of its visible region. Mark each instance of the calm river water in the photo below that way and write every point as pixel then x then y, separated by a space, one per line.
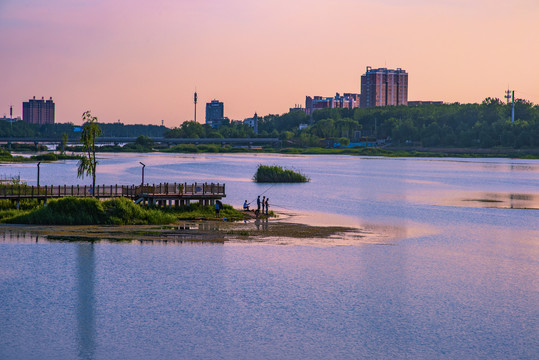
pixel 447 267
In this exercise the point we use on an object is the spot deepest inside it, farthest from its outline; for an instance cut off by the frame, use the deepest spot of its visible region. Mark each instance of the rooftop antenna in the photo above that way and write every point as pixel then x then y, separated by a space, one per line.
pixel 196 99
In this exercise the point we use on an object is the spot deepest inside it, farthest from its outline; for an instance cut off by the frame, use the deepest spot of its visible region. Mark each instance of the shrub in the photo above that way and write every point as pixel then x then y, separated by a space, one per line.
pixel 275 173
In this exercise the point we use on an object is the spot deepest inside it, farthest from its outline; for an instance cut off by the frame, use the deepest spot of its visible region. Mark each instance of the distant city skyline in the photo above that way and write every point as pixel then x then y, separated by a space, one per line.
pixel 140 62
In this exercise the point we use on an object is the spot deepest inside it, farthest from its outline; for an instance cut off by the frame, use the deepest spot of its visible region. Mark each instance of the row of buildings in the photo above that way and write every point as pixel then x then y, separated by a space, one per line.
pixel 215 116
pixel 379 87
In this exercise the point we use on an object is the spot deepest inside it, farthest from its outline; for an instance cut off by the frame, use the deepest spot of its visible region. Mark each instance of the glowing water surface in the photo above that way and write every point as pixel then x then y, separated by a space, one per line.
pixel 451 273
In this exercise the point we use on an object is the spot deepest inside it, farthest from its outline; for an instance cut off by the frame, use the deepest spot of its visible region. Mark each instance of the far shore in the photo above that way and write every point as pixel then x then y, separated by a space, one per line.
pixel 386 151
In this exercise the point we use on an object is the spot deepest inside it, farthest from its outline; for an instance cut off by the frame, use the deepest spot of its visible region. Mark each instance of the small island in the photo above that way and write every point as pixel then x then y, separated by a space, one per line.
pixel 276 174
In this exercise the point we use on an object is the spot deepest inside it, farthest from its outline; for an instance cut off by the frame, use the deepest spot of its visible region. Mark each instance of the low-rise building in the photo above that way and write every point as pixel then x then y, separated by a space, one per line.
pixel 424 102
pixel 252 122
pixel 347 100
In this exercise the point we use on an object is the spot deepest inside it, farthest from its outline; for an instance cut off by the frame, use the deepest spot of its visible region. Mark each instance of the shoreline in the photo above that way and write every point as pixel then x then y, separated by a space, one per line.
pixel 283 230
pixel 386 151
pixel 288 228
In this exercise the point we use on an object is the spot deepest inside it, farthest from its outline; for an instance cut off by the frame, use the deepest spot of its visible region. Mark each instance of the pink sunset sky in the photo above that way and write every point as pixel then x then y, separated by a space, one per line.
pixel 141 61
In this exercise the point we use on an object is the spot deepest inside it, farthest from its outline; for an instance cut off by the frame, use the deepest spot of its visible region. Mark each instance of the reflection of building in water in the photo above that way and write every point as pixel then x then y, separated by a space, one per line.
pixel 86 300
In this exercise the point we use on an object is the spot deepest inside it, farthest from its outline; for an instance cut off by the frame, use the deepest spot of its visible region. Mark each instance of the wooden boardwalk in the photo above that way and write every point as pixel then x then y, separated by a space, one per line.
pixel 164 194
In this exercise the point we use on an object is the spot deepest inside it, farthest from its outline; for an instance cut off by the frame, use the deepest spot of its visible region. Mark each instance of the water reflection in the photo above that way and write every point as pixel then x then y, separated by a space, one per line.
pixel 20 237
pixel 86 300
pixel 502 200
pixel 264 224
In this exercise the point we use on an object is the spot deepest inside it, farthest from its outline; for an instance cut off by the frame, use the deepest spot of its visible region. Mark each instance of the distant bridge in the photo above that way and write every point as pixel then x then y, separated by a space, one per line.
pixel 162 140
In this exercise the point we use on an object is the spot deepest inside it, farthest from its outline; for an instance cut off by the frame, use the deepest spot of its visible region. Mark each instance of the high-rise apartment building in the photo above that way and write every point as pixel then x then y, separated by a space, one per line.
pixel 383 87
pixel 215 111
pixel 38 111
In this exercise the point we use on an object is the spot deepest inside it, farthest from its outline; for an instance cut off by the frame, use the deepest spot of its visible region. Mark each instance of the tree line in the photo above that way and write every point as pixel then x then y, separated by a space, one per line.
pixel 483 125
pixel 56 131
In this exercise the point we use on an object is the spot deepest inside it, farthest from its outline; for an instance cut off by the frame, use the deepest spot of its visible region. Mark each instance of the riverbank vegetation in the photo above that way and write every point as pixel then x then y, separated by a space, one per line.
pixel 482 126
pixel 119 211
pixel 461 130
pixel 277 174
pixel 6 156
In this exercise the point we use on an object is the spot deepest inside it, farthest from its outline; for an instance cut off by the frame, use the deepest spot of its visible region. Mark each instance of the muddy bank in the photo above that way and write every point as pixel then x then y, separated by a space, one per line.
pixel 288 229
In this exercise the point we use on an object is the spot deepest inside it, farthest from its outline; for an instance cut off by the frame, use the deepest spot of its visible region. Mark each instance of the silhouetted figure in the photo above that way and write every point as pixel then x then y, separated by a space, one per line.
pixel 258 203
pixel 263 203
pixel 267 206
pixel 218 207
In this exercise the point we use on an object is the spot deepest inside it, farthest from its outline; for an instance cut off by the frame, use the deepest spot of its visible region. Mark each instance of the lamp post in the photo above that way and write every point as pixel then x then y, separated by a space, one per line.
pixel 143 166
pixel 38 173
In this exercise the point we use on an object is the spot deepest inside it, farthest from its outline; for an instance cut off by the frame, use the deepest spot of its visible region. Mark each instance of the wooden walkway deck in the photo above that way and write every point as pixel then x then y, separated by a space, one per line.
pixel 164 194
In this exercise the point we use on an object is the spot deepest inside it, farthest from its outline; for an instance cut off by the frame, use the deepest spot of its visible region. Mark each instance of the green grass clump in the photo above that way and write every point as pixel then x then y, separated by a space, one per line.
pixel 65 211
pixel 122 211
pixel 54 157
pixel 88 211
pixel 119 211
pixel 196 211
pixel 276 174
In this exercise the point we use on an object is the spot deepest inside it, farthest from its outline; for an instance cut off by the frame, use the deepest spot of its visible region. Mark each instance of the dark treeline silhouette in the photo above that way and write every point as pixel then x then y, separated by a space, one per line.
pixel 55 131
pixel 484 125
pixel 192 130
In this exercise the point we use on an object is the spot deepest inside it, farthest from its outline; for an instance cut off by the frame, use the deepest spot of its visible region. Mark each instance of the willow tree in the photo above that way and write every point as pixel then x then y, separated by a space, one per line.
pixel 88 162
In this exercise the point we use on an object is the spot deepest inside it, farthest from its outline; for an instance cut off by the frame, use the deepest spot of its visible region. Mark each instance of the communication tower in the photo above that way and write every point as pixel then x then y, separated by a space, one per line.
pixel 196 98
pixel 510 96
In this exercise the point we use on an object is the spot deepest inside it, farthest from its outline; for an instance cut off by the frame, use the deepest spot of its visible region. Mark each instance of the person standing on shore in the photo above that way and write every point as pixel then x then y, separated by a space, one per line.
pixel 258 203
pixel 263 203
pixel 267 206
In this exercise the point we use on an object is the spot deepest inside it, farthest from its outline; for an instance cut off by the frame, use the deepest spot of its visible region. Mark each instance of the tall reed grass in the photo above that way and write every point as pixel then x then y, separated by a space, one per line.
pixel 274 174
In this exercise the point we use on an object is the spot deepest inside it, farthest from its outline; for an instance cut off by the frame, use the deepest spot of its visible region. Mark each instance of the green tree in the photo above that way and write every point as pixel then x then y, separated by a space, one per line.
pixel 144 141
pixel 65 139
pixel 88 162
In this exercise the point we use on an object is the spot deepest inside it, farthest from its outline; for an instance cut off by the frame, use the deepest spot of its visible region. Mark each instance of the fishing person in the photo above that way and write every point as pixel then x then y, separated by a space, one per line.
pixel 267 206
pixel 218 207
pixel 246 206
pixel 258 203
pixel 263 203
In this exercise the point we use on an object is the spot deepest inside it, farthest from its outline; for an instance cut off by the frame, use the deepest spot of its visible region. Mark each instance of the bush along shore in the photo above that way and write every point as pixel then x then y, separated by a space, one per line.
pixel 119 211
pixel 6 156
pixel 275 174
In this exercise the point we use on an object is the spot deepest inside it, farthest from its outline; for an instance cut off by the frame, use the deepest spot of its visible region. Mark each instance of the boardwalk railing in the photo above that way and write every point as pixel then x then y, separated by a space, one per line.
pixel 196 190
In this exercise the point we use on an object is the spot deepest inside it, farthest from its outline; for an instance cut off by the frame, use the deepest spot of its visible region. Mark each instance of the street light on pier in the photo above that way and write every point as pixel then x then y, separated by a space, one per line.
pixel 143 166
pixel 38 173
